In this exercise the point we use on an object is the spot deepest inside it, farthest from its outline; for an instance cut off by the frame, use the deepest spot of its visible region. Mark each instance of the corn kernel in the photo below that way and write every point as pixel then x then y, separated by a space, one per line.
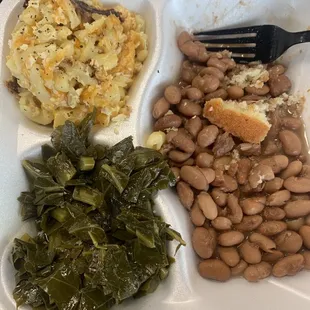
pixel 156 140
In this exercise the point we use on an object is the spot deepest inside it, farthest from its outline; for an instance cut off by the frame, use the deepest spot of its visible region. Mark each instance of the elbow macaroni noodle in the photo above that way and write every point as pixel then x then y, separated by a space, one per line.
pixel 66 66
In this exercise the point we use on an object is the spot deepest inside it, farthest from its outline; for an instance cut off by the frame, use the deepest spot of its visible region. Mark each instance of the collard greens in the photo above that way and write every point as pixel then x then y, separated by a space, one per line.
pixel 99 241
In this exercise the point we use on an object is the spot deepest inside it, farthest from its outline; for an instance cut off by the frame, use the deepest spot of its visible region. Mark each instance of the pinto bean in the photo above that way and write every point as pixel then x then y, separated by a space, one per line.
pixel 279 85
pixel 288 266
pixel 272 256
pixel 221 163
pixel 306 256
pixel 250 252
pixel 184 143
pixel 273 214
pixel 251 98
pixel 291 123
pixel 207 205
pixel 221 223
pixel 185 194
pixel 231 64
pixel 229 255
pixel 288 241
pixel 270 147
pixel 194 177
pixel 219 197
pixel 233 168
pixel 295 224
pixel 189 162
pixel 247 189
pixel 307 220
pixel 275 71
pixel 215 62
pixel 305 171
pixel 290 142
pixel 273 185
pixel 188 75
pixel 168 121
pixel 203 242
pixel 189 108
pixel 304 232
pixel 212 71
pixel 173 94
pixel 271 228
pixel 248 149
pixel 292 170
pixel 235 92
pixel 204 160
pixel 276 162
pixel 257 91
pixel 244 168
pixel 178 156
pixel 251 206
pixel 170 135
pixel 230 238
pixel 228 184
pixel 298 208
pixel 220 93
pixel 193 93
pixel 209 174
pixel 214 269
pixel 207 135
pixel 249 223
pixel 193 50
pixel 207 83
pixel 259 174
pixel 196 215
pixel 160 108
pixel 200 149
pixel 257 272
pixel 193 126
pixel 278 198
pixel 265 243
pixel 239 268
pixel 235 211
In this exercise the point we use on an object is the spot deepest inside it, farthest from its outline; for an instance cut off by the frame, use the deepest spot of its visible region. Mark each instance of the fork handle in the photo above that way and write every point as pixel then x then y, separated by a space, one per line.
pixel 300 37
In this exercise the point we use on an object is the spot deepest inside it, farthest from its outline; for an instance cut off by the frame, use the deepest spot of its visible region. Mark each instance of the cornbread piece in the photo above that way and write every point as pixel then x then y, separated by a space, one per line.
pixel 246 121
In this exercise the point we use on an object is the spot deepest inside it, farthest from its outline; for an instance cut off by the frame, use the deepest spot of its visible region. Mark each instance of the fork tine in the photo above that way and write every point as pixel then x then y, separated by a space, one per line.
pixel 243 60
pixel 239 50
pixel 240 30
pixel 216 39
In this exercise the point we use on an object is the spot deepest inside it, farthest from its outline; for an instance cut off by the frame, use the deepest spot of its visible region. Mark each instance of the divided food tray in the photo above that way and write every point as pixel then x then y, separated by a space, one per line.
pixel 20 138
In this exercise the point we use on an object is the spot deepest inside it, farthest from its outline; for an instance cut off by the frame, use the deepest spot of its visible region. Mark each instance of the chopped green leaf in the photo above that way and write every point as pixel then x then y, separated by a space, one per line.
pixel 47 151
pixel 86 163
pixel 28 208
pixel 61 167
pixel 67 139
pixel 114 176
pixel 120 150
pixel 99 241
pixel 61 285
pixel 88 195
pixel 86 125
pixel 35 170
pixel 59 214
pixel 95 299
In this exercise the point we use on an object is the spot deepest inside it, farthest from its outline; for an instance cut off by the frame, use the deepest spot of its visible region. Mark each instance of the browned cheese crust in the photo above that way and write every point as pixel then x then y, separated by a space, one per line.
pixel 246 127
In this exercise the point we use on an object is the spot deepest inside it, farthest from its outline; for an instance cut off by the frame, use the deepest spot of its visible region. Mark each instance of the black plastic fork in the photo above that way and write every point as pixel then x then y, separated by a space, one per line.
pixel 263 43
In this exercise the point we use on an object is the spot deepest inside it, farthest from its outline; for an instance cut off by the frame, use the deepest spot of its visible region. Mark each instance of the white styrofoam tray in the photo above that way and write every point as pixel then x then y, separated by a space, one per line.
pixel 20 138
